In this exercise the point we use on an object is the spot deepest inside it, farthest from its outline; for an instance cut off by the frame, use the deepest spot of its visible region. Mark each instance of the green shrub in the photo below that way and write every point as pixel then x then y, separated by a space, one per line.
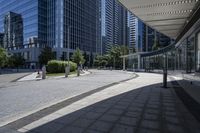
pixel 55 66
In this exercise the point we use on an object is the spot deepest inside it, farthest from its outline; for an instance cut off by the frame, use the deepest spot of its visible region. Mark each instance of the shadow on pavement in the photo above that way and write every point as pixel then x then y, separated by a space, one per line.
pixel 147 109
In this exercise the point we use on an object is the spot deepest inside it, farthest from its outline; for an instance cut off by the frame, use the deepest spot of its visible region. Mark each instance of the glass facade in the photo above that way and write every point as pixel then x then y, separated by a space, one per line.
pixel 136 32
pixel 46 23
pixel 82 18
pixel 114 24
pixel 13 30
pixel 182 57
pixel 28 9
pixel 1 39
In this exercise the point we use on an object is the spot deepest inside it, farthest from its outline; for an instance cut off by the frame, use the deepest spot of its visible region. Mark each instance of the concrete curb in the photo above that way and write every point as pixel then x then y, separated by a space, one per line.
pixel 56 77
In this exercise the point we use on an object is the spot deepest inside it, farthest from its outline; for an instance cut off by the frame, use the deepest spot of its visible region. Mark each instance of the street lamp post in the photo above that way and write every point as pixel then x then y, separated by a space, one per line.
pixel 68 44
pixel 67 69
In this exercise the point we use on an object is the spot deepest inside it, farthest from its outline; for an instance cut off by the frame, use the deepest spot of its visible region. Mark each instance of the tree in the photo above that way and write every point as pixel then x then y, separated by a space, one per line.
pixel 101 61
pixel 77 57
pixel 91 58
pixel 46 55
pixel 113 58
pixel 3 58
pixel 124 50
pixel 16 61
pixel 86 57
pixel 115 53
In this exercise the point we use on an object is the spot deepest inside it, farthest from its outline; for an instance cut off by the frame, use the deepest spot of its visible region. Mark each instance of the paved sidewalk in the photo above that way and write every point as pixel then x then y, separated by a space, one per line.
pixel 20 99
pixel 139 105
pixel 7 78
pixel 30 77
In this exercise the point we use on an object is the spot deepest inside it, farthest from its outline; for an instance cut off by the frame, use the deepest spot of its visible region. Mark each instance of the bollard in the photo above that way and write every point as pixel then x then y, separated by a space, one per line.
pixel 67 70
pixel 78 71
pixel 44 72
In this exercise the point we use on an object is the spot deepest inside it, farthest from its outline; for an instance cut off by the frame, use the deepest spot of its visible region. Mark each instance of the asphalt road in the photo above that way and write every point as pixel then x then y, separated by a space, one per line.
pixel 19 99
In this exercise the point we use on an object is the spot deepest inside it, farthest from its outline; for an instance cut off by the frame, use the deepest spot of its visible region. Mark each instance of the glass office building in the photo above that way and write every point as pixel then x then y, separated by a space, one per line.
pixel 114 24
pixel 50 22
pixel 1 39
pixel 13 31
pixel 79 18
pixel 137 34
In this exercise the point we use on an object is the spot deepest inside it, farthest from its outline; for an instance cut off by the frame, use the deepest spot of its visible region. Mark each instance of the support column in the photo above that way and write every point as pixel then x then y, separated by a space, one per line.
pixel 147 39
pixel 165 71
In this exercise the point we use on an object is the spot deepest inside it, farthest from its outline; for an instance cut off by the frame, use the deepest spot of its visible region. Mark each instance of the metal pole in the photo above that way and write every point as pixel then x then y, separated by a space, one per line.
pixel 68 43
pixel 114 63
pixel 165 71
pixel 67 69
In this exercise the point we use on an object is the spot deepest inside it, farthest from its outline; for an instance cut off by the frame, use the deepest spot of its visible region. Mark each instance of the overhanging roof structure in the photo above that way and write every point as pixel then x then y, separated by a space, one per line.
pixel 166 16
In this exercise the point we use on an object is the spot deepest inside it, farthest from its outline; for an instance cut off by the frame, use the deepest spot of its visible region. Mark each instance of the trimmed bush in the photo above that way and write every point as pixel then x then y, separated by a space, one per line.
pixel 55 66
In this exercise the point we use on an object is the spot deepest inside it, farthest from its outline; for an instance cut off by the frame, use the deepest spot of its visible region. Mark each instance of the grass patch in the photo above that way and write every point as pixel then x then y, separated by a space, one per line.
pixel 59 74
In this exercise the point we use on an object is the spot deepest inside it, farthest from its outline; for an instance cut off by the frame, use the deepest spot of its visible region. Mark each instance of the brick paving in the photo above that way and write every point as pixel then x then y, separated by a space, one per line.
pixel 137 106
pixel 18 99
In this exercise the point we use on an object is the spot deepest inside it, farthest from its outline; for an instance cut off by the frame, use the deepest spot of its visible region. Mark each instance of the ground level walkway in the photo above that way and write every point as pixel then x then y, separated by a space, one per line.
pixel 139 105
pixel 7 78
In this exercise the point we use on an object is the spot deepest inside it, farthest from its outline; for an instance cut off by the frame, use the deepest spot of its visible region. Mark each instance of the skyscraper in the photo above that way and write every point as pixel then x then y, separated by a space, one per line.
pixel 13 30
pixel 1 39
pixel 50 22
pixel 79 19
pixel 136 33
pixel 142 38
pixel 114 24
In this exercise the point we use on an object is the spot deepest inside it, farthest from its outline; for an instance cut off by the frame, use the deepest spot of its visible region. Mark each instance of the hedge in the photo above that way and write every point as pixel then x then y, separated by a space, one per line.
pixel 55 66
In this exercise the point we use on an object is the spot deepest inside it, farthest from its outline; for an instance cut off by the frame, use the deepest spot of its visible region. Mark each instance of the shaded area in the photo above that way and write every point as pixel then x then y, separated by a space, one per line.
pixel 144 110
pixel 189 102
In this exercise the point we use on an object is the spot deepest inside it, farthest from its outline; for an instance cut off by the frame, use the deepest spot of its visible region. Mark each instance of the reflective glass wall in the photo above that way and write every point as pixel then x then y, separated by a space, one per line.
pixel 183 57
pixel 28 9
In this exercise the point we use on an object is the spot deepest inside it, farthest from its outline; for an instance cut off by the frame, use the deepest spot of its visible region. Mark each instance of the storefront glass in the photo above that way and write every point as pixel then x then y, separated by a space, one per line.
pixel 191 55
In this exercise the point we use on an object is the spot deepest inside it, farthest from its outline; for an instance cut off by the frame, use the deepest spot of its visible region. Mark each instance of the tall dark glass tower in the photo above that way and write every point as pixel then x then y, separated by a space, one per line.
pixel 78 20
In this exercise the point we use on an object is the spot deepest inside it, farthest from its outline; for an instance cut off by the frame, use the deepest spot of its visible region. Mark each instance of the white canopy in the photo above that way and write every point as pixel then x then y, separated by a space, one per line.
pixel 165 16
